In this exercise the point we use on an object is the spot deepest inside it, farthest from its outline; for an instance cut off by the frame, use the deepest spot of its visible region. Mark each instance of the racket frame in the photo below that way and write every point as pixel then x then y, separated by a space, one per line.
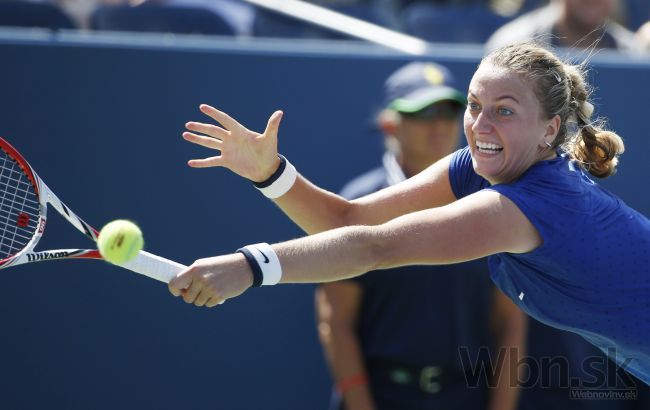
pixel 145 263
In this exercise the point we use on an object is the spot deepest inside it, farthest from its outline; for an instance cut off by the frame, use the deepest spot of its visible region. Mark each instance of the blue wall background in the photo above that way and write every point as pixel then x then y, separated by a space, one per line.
pixel 100 119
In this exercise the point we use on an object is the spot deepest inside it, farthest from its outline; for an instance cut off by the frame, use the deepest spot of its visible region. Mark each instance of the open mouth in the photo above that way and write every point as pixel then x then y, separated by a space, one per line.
pixel 488 148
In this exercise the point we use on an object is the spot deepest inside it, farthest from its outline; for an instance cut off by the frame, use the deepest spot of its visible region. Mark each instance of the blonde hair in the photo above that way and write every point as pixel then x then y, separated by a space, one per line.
pixel 562 90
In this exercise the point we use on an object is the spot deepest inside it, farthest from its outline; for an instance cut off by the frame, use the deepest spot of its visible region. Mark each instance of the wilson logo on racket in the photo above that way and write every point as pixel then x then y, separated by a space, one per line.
pixel 23 220
pixel 41 256
pixel 41 227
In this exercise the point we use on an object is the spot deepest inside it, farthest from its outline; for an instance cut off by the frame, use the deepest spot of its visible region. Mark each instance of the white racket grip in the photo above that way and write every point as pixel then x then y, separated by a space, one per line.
pixel 154 266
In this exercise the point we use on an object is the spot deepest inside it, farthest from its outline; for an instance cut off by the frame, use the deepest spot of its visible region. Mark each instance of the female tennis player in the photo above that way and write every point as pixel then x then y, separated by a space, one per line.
pixel 566 251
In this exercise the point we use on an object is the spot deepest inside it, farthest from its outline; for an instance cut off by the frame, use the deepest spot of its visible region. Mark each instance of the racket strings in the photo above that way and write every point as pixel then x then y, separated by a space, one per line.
pixel 19 207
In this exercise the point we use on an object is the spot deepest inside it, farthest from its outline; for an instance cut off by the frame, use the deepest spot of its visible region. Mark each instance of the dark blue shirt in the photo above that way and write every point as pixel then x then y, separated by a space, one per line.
pixel 591 275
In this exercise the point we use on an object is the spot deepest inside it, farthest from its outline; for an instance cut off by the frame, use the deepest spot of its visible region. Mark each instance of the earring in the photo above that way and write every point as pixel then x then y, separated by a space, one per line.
pixel 548 144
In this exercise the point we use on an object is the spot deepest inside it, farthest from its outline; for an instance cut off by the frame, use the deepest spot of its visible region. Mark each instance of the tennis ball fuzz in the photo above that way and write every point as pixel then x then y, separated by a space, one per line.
pixel 120 241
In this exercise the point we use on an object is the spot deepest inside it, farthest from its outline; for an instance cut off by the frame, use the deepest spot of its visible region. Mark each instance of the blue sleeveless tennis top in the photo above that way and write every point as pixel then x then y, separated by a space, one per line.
pixel 591 275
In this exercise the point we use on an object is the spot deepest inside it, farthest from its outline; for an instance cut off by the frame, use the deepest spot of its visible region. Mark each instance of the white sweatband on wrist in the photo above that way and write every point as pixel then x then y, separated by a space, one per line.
pixel 266 260
pixel 280 182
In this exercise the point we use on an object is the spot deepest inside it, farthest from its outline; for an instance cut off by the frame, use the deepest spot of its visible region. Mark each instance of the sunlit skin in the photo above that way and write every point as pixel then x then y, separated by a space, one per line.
pixel 503 110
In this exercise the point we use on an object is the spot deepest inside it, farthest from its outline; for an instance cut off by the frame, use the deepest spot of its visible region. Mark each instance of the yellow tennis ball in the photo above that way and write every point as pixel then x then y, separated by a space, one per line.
pixel 120 241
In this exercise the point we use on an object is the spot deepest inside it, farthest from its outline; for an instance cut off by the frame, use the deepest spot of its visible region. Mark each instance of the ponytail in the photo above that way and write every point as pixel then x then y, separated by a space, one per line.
pixel 594 147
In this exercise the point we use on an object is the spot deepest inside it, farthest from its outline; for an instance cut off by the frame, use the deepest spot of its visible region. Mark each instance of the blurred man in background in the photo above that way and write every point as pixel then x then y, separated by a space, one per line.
pixel 568 23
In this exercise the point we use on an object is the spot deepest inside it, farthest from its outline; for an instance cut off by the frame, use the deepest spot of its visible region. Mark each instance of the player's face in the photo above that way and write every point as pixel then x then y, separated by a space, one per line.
pixel 424 140
pixel 503 125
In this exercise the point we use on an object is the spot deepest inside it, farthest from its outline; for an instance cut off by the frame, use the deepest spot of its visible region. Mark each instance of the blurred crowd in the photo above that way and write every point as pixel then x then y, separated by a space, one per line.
pixel 612 24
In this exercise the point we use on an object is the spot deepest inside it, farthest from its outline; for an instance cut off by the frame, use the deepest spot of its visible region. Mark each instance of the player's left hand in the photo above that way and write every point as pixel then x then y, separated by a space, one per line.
pixel 247 153
pixel 211 281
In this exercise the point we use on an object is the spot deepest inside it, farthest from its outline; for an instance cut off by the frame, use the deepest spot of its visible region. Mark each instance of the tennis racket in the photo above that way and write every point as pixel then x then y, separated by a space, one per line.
pixel 24 198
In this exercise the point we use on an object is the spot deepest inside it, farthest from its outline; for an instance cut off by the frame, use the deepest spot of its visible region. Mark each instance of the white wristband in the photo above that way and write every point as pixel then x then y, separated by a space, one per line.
pixel 268 262
pixel 280 182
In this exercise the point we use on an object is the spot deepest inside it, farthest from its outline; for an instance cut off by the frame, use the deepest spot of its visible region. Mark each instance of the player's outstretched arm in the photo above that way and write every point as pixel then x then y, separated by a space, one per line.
pixel 255 156
pixel 478 225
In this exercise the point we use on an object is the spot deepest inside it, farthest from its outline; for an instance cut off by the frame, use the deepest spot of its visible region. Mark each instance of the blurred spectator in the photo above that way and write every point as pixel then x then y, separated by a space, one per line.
pixel 239 14
pixel 393 343
pixel 154 18
pixel 441 24
pixel 80 10
pixel 19 13
pixel 635 13
pixel 338 3
pixel 568 23
pixel 501 7
pixel 440 21
pixel 643 36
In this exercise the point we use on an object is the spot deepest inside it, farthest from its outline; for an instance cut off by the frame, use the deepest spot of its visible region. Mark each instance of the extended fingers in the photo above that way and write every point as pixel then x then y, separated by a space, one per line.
pixel 208 142
pixel 212 130
pixel 206 162
pixel 220 116
pixel 273 124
